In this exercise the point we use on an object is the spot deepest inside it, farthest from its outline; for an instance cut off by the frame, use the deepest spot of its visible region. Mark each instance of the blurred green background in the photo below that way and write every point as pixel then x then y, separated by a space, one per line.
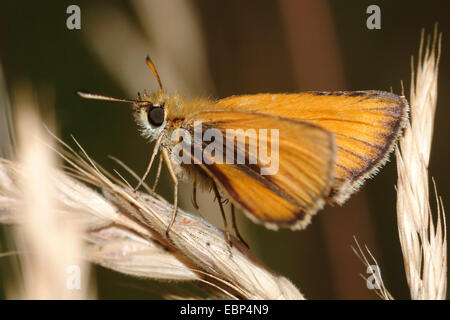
pixel 222 48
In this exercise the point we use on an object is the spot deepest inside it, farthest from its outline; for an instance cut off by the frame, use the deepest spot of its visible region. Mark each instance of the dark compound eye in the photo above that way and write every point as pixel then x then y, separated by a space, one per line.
pixel 156 116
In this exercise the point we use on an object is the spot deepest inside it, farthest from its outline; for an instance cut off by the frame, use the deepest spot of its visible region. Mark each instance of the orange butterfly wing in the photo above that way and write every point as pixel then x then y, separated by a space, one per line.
pixel 365 125
pixel 297 189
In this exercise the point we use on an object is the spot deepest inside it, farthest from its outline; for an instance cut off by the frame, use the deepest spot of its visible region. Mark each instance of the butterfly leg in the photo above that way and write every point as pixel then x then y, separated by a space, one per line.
pixel 233 219
pixel 155 152
pixel 158 173
pixel 194 195
pixel 225 224
pixel 175 189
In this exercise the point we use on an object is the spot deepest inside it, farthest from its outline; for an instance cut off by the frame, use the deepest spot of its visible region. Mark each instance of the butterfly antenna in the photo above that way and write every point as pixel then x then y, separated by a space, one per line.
pixel 96 96
pixel 152 67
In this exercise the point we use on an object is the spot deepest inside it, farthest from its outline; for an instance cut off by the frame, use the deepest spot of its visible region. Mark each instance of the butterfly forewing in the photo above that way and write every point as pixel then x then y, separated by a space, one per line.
pixel 304 169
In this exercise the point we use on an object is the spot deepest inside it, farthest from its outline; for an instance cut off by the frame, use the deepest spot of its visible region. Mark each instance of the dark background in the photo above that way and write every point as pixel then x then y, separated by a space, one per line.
pixel 238 47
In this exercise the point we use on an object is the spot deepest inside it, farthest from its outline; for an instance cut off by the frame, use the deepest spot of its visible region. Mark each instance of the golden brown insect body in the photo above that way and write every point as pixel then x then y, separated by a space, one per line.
pixel 326 144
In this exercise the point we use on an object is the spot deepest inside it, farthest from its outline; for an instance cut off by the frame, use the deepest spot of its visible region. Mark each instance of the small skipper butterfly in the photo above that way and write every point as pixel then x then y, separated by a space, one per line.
pixel 321 147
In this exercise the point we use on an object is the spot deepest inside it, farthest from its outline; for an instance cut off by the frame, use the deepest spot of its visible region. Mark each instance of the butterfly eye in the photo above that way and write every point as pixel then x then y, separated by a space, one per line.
pixel 156 116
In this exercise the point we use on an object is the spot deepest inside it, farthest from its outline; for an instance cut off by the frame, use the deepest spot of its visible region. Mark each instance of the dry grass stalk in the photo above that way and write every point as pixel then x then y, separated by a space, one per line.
pixel 377 280
pixel 424 244
pixel 51 247
pixel 126 232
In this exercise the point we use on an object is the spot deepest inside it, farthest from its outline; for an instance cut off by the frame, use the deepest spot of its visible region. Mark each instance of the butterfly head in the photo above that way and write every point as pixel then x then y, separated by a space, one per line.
pixel 150 113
